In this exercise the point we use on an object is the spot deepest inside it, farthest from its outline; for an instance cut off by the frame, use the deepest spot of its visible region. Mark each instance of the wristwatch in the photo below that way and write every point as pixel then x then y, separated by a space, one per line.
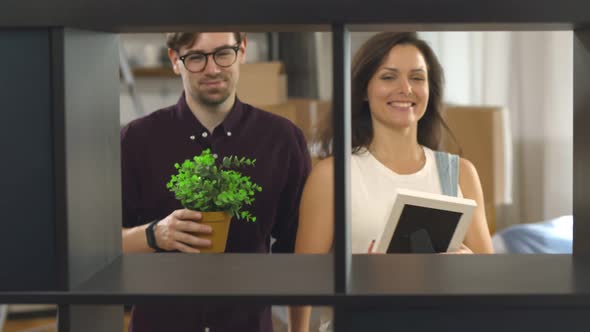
pixel 151 236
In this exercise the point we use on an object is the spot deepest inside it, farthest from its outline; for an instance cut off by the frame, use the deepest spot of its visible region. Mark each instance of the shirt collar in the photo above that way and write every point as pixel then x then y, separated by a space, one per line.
pixel 229 124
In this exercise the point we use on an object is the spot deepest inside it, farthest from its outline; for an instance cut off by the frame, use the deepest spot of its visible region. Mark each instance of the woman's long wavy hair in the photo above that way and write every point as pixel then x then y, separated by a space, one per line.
pixel 365 64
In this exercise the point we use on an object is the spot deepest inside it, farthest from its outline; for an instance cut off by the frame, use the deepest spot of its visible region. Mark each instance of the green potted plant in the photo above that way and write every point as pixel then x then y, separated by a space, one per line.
pixel 217 190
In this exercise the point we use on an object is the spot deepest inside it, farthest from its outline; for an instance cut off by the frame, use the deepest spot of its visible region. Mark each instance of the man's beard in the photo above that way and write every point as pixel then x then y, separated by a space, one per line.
pixel 213 97
pixel 219 98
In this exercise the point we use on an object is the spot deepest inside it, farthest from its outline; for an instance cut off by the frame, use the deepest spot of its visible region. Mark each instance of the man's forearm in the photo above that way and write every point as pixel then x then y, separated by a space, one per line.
pixel 134 240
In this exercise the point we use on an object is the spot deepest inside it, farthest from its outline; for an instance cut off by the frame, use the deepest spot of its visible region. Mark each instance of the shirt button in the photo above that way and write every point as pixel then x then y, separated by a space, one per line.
pixel 229 133
pixel 192 137
pixel 204 134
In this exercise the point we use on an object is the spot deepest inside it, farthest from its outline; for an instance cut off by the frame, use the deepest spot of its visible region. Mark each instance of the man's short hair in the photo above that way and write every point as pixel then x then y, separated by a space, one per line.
pixel 176 40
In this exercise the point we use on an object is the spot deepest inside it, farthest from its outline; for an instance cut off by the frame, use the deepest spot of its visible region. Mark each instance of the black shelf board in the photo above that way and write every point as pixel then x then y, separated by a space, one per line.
pixel 285 15
pixel 393 281
pixel 535 280
pixel 229 275
pixel 179 278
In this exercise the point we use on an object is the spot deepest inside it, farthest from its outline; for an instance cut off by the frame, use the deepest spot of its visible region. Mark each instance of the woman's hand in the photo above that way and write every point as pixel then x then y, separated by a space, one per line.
pixel 371 247
pixel 462 250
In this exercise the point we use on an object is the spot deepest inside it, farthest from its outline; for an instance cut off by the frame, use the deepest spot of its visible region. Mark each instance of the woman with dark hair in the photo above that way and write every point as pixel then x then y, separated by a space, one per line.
pixel 397 91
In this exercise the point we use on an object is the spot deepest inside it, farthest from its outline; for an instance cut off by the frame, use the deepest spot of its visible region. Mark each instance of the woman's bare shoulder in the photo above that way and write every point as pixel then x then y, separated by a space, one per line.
pixel 322 173
pixel 467 170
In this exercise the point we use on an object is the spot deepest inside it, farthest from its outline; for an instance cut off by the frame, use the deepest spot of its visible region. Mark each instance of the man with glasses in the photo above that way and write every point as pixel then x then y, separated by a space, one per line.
pixel 208 115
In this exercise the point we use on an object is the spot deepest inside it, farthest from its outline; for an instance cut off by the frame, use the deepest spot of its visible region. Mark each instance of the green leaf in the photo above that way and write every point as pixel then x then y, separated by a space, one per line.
pixel 207 183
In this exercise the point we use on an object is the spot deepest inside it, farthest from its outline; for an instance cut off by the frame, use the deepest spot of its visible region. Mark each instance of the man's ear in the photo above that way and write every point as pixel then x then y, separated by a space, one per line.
pixel 243 50
pixel 174 60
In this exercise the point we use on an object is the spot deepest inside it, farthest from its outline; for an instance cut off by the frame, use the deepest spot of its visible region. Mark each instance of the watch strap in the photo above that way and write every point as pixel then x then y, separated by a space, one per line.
pixel 151 236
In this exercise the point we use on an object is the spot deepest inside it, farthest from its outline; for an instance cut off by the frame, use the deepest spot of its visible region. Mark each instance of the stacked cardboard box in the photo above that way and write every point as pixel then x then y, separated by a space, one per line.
pixel 482 137
pixel 311 114
pixel 264 85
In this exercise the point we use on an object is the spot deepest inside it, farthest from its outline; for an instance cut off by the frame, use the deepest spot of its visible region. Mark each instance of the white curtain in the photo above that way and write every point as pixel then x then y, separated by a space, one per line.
pixel 531 74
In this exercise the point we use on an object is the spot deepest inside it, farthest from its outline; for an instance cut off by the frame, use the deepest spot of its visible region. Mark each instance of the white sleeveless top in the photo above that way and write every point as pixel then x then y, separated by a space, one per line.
pixel 373 188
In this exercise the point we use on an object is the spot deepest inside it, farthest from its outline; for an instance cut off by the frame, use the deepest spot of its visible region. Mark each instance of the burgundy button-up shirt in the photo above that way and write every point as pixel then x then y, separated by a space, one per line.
pixel 151 145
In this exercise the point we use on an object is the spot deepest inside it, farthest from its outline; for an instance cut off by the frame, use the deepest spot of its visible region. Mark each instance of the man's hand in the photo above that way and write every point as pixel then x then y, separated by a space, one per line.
pixel 178 230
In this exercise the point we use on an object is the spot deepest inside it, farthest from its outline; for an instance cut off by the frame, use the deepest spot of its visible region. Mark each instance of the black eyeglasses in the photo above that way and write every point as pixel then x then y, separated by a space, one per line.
pixel 224 57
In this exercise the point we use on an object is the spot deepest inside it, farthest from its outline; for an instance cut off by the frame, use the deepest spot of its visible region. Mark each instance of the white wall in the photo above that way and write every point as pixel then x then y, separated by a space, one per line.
pixel 530 73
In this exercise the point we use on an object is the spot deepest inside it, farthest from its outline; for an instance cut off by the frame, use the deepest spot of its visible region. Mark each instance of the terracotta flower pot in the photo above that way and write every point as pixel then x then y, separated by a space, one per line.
pixel 219 222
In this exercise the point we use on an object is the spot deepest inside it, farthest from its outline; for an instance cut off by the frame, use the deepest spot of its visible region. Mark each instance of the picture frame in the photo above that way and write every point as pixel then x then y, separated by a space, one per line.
pixel 422 222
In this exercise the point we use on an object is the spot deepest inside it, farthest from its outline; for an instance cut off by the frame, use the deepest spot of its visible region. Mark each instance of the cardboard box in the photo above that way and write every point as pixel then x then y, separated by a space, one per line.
pixel 262 83
pixel 311 114
pixel 482 135
pixel 286 110
pixel 307 114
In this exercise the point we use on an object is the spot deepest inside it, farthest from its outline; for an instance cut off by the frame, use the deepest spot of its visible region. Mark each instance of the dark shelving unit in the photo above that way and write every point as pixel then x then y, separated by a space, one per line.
pixel 62 241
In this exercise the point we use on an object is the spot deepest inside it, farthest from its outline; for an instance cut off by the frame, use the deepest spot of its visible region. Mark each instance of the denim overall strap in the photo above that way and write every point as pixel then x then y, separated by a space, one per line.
pixel 448 172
